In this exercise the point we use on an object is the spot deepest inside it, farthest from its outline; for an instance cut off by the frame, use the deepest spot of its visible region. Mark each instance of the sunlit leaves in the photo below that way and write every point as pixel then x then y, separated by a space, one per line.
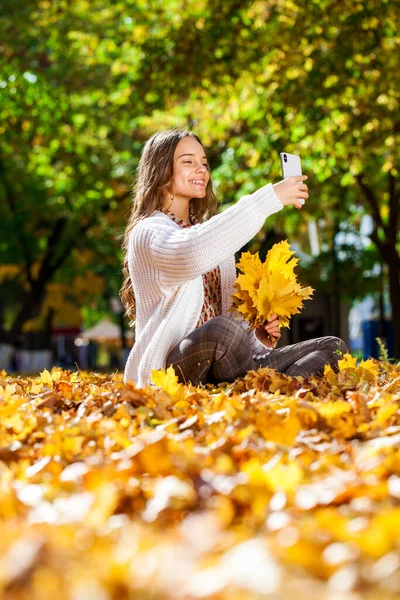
pixel 167 380
pixel 349 370
pixel 105 476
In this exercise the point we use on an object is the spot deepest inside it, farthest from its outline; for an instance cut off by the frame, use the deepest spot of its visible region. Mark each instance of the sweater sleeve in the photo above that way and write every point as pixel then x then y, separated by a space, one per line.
pixel 184 254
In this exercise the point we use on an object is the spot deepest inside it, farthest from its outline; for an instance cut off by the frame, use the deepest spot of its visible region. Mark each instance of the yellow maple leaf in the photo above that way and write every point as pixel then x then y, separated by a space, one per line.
pixel 45 377
pixel 166 380
pixel 270 287
pixel 251 265
pixel 48 378
pixel 347 362
pixel 243 303
pixel 327 370
pixel 366 370
pixel 278 260
pixel 370 365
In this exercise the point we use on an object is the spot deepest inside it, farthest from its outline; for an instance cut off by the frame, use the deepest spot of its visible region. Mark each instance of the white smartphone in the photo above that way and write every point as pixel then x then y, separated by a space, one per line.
pixel 291 167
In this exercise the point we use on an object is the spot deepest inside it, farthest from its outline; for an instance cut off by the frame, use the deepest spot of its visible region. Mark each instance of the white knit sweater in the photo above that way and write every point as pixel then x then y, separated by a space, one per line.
pixel 166 264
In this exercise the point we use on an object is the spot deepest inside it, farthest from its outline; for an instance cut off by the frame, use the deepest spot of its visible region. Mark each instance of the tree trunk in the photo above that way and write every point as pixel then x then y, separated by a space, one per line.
pixel 30 309
pixel 335 296
pixel 394 290
pixel 60 242
pixel 381 305
pixel 385 237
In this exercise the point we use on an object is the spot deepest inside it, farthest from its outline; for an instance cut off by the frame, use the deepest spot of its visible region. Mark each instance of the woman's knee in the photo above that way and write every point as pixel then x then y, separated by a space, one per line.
pixel 229 340
pixel 223 329
pixel 233 355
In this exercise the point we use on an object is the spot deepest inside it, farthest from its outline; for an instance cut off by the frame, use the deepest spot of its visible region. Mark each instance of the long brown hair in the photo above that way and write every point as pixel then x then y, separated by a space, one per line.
pixel 153 178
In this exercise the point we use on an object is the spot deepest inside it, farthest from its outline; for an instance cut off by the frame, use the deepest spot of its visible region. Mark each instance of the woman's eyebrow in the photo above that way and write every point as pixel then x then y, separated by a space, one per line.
pixel 191 155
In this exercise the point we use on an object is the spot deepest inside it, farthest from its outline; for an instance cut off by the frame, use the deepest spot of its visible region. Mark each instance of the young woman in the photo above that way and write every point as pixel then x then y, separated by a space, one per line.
pixel 179 272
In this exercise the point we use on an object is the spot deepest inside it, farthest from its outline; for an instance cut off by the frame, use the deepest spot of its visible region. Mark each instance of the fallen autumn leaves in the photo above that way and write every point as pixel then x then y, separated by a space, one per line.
pixel 271 485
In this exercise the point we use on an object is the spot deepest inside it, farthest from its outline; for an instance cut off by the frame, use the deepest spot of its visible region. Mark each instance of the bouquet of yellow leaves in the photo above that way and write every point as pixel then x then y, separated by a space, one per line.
pixel 269 287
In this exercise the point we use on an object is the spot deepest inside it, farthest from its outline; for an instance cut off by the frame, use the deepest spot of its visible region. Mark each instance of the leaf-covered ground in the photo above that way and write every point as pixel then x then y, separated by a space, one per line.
pixel 271 485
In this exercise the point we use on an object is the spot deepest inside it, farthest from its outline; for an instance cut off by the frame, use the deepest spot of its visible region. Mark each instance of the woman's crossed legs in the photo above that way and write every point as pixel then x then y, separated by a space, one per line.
pixel 220 350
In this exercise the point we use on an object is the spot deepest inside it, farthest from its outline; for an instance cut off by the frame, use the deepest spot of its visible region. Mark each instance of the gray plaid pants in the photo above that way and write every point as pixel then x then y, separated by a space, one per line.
pixel 220 350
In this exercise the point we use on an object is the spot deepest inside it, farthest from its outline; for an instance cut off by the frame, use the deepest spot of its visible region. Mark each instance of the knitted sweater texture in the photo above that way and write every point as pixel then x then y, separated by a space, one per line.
pixel 166 264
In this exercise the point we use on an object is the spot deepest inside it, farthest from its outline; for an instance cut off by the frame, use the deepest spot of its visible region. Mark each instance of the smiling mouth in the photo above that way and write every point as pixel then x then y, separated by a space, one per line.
pixel 201 183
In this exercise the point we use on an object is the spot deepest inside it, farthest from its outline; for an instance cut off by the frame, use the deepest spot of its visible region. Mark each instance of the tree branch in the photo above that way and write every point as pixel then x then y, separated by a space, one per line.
pixel 12 205
pixel 387 251
pixel 373 204
pixel 46 268
pixel 81 231
pixel 394 209
pixel 50 264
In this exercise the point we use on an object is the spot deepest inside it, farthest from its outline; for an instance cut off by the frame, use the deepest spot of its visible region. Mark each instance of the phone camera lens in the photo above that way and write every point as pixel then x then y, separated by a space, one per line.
pixel 285 157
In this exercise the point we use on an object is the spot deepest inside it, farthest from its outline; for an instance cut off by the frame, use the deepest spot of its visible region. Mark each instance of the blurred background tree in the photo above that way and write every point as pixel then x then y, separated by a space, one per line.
pixel 84 84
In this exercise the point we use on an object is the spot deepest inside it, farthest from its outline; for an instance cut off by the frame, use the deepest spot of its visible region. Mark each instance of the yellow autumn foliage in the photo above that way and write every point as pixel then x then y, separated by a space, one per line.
pixel 166 380
pixel 265 486
pixel 9 271
pixel 367 369
pixel 65 300
pixel 270 287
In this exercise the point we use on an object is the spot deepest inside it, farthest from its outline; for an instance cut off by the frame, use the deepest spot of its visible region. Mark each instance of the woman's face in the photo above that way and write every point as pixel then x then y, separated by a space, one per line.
pixel 190 174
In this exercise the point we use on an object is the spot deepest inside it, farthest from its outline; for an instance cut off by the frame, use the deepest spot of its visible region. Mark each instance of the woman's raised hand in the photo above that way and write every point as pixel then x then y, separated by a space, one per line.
pixel 292 190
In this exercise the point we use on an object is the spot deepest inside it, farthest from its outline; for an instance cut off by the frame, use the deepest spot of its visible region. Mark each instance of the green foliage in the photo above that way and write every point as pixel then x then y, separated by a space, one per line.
pixel 383 351
pixel 84 84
